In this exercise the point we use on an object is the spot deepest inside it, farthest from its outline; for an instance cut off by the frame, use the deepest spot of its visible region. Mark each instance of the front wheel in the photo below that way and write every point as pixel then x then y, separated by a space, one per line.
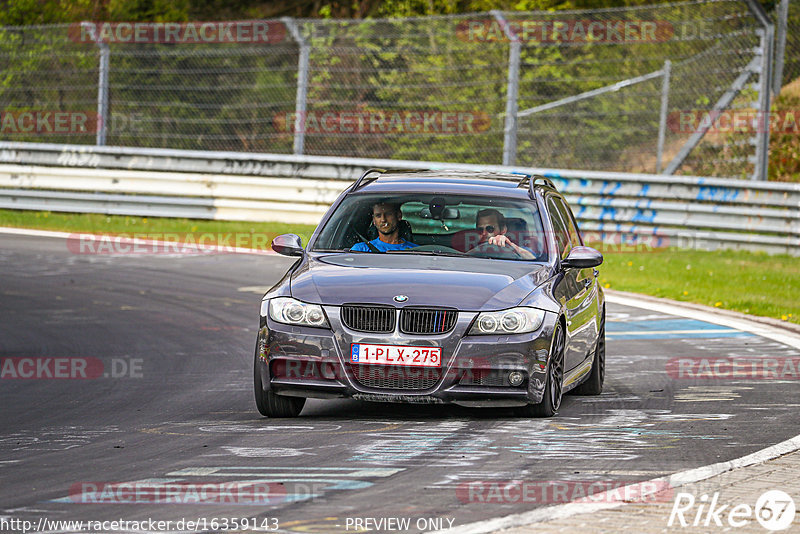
pixel 271 405
pixel 554 383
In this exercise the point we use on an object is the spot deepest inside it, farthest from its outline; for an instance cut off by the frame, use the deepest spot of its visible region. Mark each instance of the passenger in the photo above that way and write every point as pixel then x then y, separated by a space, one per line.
pixel 386 217
pixel 492 227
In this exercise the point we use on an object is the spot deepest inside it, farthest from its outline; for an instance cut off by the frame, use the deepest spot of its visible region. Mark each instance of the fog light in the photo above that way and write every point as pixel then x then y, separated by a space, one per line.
pixel 515 378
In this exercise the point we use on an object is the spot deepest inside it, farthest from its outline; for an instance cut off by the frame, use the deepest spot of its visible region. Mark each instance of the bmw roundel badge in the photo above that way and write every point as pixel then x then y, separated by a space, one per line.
pixel 400 298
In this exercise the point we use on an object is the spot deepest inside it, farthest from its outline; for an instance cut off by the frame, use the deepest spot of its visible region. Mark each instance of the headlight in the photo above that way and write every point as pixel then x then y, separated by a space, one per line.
pixel 291 311
pixel 513 321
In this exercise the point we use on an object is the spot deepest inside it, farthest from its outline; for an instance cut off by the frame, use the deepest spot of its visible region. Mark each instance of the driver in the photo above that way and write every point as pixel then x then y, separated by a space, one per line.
pixel 492 227
pixel 386 217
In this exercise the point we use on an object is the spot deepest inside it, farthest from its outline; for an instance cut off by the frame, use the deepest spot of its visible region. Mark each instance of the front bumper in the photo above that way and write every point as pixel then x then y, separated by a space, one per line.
pixel 314 362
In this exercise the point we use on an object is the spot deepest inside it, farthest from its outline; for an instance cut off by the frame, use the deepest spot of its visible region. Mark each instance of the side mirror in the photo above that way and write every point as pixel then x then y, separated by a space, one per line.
pixel 288 245
pixel 582 258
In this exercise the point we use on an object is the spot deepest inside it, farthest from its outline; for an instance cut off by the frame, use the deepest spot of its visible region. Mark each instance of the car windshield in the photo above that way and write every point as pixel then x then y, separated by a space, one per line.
pixel 435 224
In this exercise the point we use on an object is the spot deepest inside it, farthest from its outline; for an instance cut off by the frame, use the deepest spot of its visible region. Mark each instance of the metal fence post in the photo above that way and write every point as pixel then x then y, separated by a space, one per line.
pixel 302 86
pixel 780 45
pixel 510 130
pixel 662 120
pixel 762 122
pixel 102 94
pixel 102 83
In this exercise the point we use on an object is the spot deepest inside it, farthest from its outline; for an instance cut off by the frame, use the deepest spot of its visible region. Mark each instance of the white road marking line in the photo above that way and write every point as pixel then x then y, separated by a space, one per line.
pixel 254 289
pixel 759 329
pixel 661 332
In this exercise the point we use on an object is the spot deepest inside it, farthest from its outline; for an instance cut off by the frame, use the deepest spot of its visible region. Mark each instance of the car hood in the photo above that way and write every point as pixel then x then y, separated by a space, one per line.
pixel 463 283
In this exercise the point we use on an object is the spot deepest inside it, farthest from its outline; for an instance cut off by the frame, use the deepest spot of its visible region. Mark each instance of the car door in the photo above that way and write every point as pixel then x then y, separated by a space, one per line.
pixel 578 287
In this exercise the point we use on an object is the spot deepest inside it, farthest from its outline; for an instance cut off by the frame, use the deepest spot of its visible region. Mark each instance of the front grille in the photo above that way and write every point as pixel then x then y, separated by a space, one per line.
pixel 427 320
pixel 396 377
pixel 368 318
pixel 484 377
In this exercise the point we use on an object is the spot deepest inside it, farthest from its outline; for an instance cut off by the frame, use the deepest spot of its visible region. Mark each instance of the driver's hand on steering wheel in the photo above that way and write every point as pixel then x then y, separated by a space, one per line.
pixel 500 240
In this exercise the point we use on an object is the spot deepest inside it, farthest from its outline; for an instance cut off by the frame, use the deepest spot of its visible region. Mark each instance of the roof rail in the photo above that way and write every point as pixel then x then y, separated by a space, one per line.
pixel 365 178
pixel 531 181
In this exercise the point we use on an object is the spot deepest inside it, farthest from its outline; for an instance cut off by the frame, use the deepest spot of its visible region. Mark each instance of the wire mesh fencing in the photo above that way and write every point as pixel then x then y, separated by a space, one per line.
pixel 791 53
pixel 613 89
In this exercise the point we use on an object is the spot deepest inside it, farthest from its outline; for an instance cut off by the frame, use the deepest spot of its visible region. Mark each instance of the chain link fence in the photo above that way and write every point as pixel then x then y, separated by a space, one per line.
pixel 613 89
pixel 791 56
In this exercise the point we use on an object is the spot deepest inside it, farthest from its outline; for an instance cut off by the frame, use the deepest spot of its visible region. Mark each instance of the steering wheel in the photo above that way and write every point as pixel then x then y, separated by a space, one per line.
pixel 436 248
pixel 487 250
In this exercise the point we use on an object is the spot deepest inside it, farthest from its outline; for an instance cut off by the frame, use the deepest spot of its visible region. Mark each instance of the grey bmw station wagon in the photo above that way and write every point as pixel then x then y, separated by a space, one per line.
pixel 435 287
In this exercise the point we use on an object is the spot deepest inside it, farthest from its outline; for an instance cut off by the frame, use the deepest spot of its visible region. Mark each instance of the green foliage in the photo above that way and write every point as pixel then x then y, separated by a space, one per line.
pixel 29 12
pixel 234 96
pixel 784 156
pixel 32 12
pixel 747 282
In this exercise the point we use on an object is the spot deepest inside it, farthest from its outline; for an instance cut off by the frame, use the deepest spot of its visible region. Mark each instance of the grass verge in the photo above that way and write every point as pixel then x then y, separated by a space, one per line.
pixel 747 282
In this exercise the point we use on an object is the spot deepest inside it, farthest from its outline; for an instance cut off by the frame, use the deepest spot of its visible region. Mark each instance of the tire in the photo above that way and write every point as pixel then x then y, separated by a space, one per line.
pixel 271 405
pixel 554 383
pixel 593 385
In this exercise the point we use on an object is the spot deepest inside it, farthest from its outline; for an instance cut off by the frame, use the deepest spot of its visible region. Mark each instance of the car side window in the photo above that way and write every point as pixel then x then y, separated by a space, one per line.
pixel 561 234
pixel 566 216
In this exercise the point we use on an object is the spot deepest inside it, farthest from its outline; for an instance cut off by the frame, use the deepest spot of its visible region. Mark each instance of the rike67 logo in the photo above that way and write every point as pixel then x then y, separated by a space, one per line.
pixel 774 510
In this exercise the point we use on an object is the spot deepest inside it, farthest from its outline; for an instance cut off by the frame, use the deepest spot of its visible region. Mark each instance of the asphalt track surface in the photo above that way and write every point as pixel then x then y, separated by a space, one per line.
pixel 172 403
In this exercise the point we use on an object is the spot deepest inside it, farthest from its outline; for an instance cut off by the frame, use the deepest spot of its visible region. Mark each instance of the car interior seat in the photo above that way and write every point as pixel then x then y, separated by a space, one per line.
pixel 518 232
pixel 405 231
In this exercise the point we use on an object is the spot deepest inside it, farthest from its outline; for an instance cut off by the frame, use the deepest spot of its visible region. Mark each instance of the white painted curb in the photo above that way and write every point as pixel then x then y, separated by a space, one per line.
pixel 613 498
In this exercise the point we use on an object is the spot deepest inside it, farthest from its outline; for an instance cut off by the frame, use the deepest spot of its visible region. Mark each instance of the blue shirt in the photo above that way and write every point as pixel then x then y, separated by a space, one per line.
pixel 382 246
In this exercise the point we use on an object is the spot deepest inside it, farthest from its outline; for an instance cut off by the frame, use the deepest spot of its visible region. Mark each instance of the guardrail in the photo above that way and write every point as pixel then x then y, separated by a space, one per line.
pixel 679 210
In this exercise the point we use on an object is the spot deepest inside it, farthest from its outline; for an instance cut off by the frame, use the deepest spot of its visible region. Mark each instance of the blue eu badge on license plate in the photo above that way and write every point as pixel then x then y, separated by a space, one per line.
pixel 354 355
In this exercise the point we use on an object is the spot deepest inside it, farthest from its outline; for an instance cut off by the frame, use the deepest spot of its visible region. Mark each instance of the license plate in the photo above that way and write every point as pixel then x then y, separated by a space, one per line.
pixel 365 353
